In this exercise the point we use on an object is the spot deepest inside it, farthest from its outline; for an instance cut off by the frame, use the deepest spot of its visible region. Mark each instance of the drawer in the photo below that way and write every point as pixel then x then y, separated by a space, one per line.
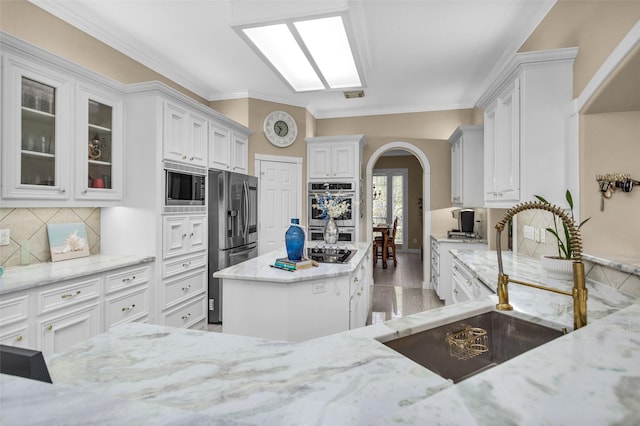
pixel 129 306
pixel 188 314
pixel 68 295
pixel 183 264
pixel 183 287
pixel 126 279
pixel 14 309
pixel 16 335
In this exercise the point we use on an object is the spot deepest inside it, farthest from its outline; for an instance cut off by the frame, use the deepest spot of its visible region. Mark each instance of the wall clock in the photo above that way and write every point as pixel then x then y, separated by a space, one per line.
pixel 280 129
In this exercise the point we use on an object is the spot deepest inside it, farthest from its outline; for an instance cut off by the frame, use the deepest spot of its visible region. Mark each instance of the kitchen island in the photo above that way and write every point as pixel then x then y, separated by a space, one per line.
pixel 266 302
pixel 149 374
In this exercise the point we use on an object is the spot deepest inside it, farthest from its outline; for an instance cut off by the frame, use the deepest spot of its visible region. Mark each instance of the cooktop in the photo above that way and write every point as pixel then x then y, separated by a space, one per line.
pixel 330 254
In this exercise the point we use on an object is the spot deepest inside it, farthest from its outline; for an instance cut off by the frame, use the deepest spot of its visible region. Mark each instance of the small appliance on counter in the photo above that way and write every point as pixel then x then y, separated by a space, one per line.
pixel 466 219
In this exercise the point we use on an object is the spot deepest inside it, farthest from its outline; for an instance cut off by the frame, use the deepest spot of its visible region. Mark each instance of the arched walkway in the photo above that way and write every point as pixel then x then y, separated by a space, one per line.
pixel 426 199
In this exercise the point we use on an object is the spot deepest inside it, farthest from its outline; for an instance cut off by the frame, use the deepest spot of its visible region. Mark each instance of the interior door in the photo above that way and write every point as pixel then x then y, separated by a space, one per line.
pixel 281 195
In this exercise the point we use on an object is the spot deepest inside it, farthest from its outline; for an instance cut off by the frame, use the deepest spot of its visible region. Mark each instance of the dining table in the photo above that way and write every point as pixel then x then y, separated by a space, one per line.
pixel 384 229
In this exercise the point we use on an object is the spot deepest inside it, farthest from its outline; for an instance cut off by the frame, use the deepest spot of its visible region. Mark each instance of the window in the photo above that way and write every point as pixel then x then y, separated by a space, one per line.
pixel 389 198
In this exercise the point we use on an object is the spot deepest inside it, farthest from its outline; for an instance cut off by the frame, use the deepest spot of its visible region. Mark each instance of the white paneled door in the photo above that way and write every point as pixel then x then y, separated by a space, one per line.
pixel 281 195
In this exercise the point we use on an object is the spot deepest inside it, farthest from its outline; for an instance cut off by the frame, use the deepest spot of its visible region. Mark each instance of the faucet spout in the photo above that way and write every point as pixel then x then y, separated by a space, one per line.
pixel 579 291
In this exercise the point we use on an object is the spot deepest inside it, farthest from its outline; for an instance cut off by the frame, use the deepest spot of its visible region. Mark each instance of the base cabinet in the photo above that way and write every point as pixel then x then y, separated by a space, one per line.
pixel 465 286
pixel 442 264
pixel 53 317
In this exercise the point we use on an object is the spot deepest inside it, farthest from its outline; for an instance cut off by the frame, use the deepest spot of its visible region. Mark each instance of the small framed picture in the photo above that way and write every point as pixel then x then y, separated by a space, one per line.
pixel 68 241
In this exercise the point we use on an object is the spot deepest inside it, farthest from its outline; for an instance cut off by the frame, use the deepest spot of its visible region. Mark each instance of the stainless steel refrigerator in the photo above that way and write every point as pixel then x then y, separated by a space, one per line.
pixel 233 228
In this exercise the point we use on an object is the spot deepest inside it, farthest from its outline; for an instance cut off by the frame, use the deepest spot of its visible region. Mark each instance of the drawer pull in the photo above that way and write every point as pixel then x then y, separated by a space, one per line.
pixel 186 264
pixel 18 338
pixel 49 327
pixel 128 308
pixel 187 288
pixel 124 280
pixel 355 279
pixel 186 317
pixel 184 235
pixel 69 295
pixel 191 235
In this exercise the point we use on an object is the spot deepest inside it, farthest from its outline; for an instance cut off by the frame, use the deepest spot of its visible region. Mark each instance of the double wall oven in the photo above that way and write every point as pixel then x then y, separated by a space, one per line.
pixel 346 223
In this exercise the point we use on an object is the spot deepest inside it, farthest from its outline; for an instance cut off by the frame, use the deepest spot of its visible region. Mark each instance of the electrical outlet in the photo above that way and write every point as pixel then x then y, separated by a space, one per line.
pixel 543 235
pixel 5 237
pixel 529 233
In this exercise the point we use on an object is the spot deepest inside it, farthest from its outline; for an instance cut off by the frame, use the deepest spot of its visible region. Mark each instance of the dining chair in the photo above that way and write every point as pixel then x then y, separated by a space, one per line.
pixel 378 243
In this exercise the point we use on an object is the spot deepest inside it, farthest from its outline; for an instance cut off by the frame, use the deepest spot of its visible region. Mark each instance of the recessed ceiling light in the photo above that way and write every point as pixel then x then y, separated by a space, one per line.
pixel 308 53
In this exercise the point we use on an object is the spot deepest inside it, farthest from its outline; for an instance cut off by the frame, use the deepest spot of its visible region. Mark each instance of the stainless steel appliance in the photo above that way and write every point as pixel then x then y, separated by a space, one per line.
pixel 184 188
pixel 345 234
pixel 330 254
pixel 233 228
pixel 465 219
pixel 344 190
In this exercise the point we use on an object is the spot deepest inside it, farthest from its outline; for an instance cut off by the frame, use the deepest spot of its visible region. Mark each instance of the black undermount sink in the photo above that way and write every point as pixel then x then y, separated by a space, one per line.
pixel 461 349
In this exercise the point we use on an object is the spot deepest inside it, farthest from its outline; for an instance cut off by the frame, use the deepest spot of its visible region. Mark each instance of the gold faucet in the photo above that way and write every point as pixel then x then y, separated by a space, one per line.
pixel 579 292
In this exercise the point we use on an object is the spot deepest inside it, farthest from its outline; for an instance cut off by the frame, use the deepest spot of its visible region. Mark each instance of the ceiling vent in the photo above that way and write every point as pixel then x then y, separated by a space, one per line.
pixel 351 94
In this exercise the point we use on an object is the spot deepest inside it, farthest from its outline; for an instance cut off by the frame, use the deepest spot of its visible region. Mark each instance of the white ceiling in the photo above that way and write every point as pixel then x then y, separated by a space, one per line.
pixel 417 55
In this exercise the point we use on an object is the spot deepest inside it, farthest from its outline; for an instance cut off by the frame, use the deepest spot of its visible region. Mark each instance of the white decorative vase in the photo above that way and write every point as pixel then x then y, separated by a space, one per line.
pixel 561 269
pixel 330 232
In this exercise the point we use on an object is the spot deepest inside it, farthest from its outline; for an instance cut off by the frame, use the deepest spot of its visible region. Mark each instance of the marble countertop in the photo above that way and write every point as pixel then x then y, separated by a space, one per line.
pixel 258 269
pixel 17 278
pixel 178 376
pixel 444 238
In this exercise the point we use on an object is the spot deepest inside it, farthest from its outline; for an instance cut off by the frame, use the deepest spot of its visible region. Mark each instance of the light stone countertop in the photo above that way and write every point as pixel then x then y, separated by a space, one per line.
pixel 17 278
pixel 590 376
pixel 258 269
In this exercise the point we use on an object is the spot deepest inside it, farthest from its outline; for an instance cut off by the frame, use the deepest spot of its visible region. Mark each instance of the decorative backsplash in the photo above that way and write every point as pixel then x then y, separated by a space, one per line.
pixel 28 227
pixel 538 219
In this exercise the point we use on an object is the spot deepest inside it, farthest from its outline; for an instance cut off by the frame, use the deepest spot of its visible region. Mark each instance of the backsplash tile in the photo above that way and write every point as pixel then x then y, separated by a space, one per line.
pixel 31 225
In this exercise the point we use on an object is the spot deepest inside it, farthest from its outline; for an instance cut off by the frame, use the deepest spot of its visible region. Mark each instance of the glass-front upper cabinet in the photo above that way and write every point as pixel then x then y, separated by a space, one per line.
pixel 99 145
pixel 36 132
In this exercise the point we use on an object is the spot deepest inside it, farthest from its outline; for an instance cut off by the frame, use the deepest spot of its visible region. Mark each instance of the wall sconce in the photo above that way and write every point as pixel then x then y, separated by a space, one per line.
pixel 610 183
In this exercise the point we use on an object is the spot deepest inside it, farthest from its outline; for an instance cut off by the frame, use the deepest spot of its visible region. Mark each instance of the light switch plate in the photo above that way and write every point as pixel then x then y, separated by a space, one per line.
pixel 5 237
pixel 529 232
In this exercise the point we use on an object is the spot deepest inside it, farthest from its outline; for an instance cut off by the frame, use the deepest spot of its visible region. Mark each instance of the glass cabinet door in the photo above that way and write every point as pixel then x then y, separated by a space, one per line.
pixel 38 123
pixel 35 108
pixel 99 145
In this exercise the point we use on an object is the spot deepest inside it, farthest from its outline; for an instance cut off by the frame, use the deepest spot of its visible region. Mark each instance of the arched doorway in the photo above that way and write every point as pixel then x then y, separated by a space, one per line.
pixel 426 199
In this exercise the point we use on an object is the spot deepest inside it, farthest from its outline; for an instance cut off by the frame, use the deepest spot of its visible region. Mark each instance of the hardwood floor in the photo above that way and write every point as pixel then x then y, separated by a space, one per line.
pixel 398 292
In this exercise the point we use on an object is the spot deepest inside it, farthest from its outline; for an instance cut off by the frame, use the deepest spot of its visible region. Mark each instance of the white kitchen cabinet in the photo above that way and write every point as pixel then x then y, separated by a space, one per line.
pixel 52 317
pixel 185 135
pixel 465 285
pixel 191 314
pixel 99 145
pixel 51 110
pixel 58 331
pixel 15 329
pixel 228 150
pixel 184 234
pixel 360 289
pixel 526 128
pixel 442 264
pixel 36 135
pixel 467 166
pixel 334 157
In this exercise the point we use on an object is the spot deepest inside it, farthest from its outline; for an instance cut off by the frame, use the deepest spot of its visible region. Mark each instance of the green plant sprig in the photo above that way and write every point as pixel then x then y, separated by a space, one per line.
pixel 565 249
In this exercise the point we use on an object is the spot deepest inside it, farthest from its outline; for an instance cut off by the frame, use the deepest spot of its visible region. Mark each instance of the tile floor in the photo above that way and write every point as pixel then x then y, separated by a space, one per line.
pixel 397 291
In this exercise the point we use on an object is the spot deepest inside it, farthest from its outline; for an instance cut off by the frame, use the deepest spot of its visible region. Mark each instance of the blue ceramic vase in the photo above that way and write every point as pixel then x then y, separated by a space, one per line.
pixel 294 240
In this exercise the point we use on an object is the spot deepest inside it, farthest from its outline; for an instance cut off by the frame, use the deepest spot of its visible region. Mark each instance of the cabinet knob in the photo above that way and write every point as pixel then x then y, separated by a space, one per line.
pixel 18 338
pixel 186 288
pixel 184 235
pixel 191 159
pixel 62 190
pixel 49 327
pixel 186 264
pixel 184 157
pixel 191 235
pixel 186 317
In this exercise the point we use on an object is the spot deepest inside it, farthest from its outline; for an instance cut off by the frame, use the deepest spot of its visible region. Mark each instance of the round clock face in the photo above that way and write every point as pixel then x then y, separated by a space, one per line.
pixel 280 129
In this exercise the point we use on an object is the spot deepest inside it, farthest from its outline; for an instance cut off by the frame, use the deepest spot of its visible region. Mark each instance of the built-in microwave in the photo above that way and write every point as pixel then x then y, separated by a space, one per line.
pixel 185 188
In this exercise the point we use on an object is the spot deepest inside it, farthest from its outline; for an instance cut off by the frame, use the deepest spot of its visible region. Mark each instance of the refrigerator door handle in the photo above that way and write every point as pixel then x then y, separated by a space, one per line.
pixel 245 188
